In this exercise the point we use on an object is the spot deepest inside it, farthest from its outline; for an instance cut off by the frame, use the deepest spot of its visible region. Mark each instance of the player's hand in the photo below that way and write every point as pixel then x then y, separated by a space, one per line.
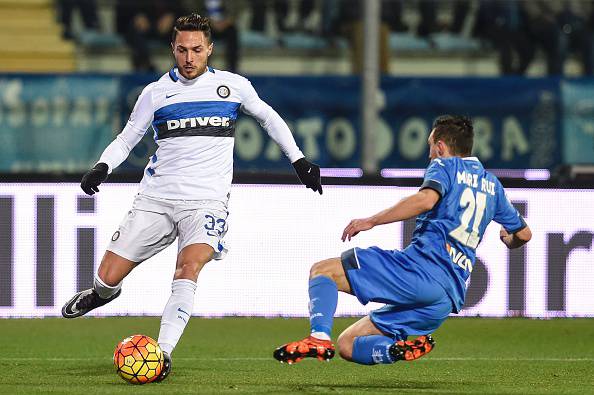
pixel 356 226
pixel 503 233
pixel 309 174
pixel 93 178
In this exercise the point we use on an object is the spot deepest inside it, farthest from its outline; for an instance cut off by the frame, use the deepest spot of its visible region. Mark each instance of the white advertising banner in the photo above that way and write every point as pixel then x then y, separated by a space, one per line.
pixel 53 237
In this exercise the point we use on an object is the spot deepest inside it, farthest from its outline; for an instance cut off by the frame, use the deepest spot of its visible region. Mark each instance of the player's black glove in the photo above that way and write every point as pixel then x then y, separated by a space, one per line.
pixel 93 178
pixel 309 174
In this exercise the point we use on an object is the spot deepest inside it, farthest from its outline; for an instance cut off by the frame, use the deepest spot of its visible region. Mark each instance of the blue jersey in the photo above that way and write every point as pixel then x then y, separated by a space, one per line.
pixel 446 237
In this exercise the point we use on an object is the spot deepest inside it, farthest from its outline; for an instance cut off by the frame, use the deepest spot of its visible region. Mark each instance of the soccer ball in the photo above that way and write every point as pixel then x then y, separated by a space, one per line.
pixel 138 359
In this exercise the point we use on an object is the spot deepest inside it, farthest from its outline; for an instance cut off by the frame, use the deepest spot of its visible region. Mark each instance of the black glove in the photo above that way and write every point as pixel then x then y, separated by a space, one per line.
pixel 309 174
pixel 93 178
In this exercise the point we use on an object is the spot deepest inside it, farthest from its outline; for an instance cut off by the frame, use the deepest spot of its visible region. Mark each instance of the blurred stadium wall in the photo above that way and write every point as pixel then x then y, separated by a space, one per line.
pixel 64 97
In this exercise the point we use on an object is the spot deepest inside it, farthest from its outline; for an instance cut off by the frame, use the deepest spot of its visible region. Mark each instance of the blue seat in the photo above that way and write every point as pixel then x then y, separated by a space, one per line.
pixel 407 42
pixel 303 41
pixel 257 40
pixel 95 39
pixel 454 42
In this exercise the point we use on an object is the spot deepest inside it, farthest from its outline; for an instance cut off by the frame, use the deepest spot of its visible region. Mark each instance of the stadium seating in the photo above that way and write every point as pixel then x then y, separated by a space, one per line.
pixel 298 52
pixel 30 38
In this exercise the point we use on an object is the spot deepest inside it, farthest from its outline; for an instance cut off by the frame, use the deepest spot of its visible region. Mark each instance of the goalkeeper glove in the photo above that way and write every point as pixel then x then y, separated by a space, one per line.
pixel 93 178
pixel 309 174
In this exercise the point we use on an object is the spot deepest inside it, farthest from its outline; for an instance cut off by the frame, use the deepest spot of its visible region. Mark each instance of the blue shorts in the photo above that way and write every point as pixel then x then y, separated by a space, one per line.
pixel 415 303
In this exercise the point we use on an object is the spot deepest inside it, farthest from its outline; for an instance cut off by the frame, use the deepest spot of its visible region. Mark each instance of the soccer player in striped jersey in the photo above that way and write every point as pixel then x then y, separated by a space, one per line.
pixel 422 284
pixel 192 110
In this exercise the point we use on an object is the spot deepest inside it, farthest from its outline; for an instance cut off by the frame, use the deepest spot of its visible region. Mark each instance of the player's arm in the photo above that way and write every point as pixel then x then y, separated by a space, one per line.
pixel 435 185
pixel 514 230
pixel 119 149
pixel 517 239
pixel 278 130
pixel 407 208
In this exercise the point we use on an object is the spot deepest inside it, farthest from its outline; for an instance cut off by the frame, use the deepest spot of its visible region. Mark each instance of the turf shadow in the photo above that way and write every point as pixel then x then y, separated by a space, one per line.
pixel 410 385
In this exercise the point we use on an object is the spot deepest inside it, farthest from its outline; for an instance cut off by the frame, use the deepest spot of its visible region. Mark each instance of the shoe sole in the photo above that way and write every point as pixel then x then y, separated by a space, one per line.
pixel 412 350
pixel 282 355
pixel 164 373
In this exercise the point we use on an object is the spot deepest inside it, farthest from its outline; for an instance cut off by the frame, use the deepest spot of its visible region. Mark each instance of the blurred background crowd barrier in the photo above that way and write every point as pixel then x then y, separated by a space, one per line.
pixel 61 123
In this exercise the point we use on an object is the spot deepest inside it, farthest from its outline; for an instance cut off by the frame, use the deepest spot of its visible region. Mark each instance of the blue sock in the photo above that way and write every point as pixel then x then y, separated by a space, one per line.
pixel 371 350
pixel 323 297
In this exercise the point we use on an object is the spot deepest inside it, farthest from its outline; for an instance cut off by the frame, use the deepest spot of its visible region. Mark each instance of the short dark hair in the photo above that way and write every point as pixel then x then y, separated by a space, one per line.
pixel 192 22
pixel 456 132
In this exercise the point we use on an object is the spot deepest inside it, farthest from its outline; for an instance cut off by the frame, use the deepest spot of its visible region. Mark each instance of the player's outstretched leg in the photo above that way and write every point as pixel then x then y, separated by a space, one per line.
pixel 89 299
pixel 412 349
pixel 379 349
pixel 166 368
pixel 113 269
pixel 326 279
pixel 309 347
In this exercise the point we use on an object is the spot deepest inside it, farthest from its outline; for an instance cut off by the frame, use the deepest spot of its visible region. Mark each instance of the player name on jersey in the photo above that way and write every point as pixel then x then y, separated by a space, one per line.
pixel 471 180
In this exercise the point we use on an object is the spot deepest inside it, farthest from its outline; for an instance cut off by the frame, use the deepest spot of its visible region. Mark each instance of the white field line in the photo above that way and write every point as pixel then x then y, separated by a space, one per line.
pixel 429 359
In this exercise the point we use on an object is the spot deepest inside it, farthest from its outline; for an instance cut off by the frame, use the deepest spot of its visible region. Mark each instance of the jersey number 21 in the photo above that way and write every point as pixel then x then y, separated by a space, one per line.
pixel 473 208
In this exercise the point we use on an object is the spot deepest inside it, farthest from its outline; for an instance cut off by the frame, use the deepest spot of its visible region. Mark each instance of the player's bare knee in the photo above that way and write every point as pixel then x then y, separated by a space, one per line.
pixel 316 270
pixel 331 268
pixel 323 268
pixel 345 346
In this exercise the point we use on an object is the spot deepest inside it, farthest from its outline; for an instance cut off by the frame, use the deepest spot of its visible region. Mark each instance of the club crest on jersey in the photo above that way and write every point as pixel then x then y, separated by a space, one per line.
pixel 197 121
pixel 223 91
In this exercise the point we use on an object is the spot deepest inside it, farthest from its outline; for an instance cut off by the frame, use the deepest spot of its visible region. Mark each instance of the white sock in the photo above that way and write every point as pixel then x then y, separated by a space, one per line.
pixel 177 313
pixel 105 291
pixel 320 335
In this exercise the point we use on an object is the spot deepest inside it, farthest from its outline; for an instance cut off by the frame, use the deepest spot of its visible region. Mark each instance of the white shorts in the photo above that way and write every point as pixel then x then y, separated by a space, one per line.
pixel 153 224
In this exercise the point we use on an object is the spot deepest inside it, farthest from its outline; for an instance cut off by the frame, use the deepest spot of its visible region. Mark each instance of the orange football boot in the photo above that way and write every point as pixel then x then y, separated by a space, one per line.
pixel 311 347
pixel 412 349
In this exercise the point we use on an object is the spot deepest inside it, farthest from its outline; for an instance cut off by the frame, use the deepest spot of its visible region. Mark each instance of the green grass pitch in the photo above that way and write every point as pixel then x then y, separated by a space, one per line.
pixel 234 355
